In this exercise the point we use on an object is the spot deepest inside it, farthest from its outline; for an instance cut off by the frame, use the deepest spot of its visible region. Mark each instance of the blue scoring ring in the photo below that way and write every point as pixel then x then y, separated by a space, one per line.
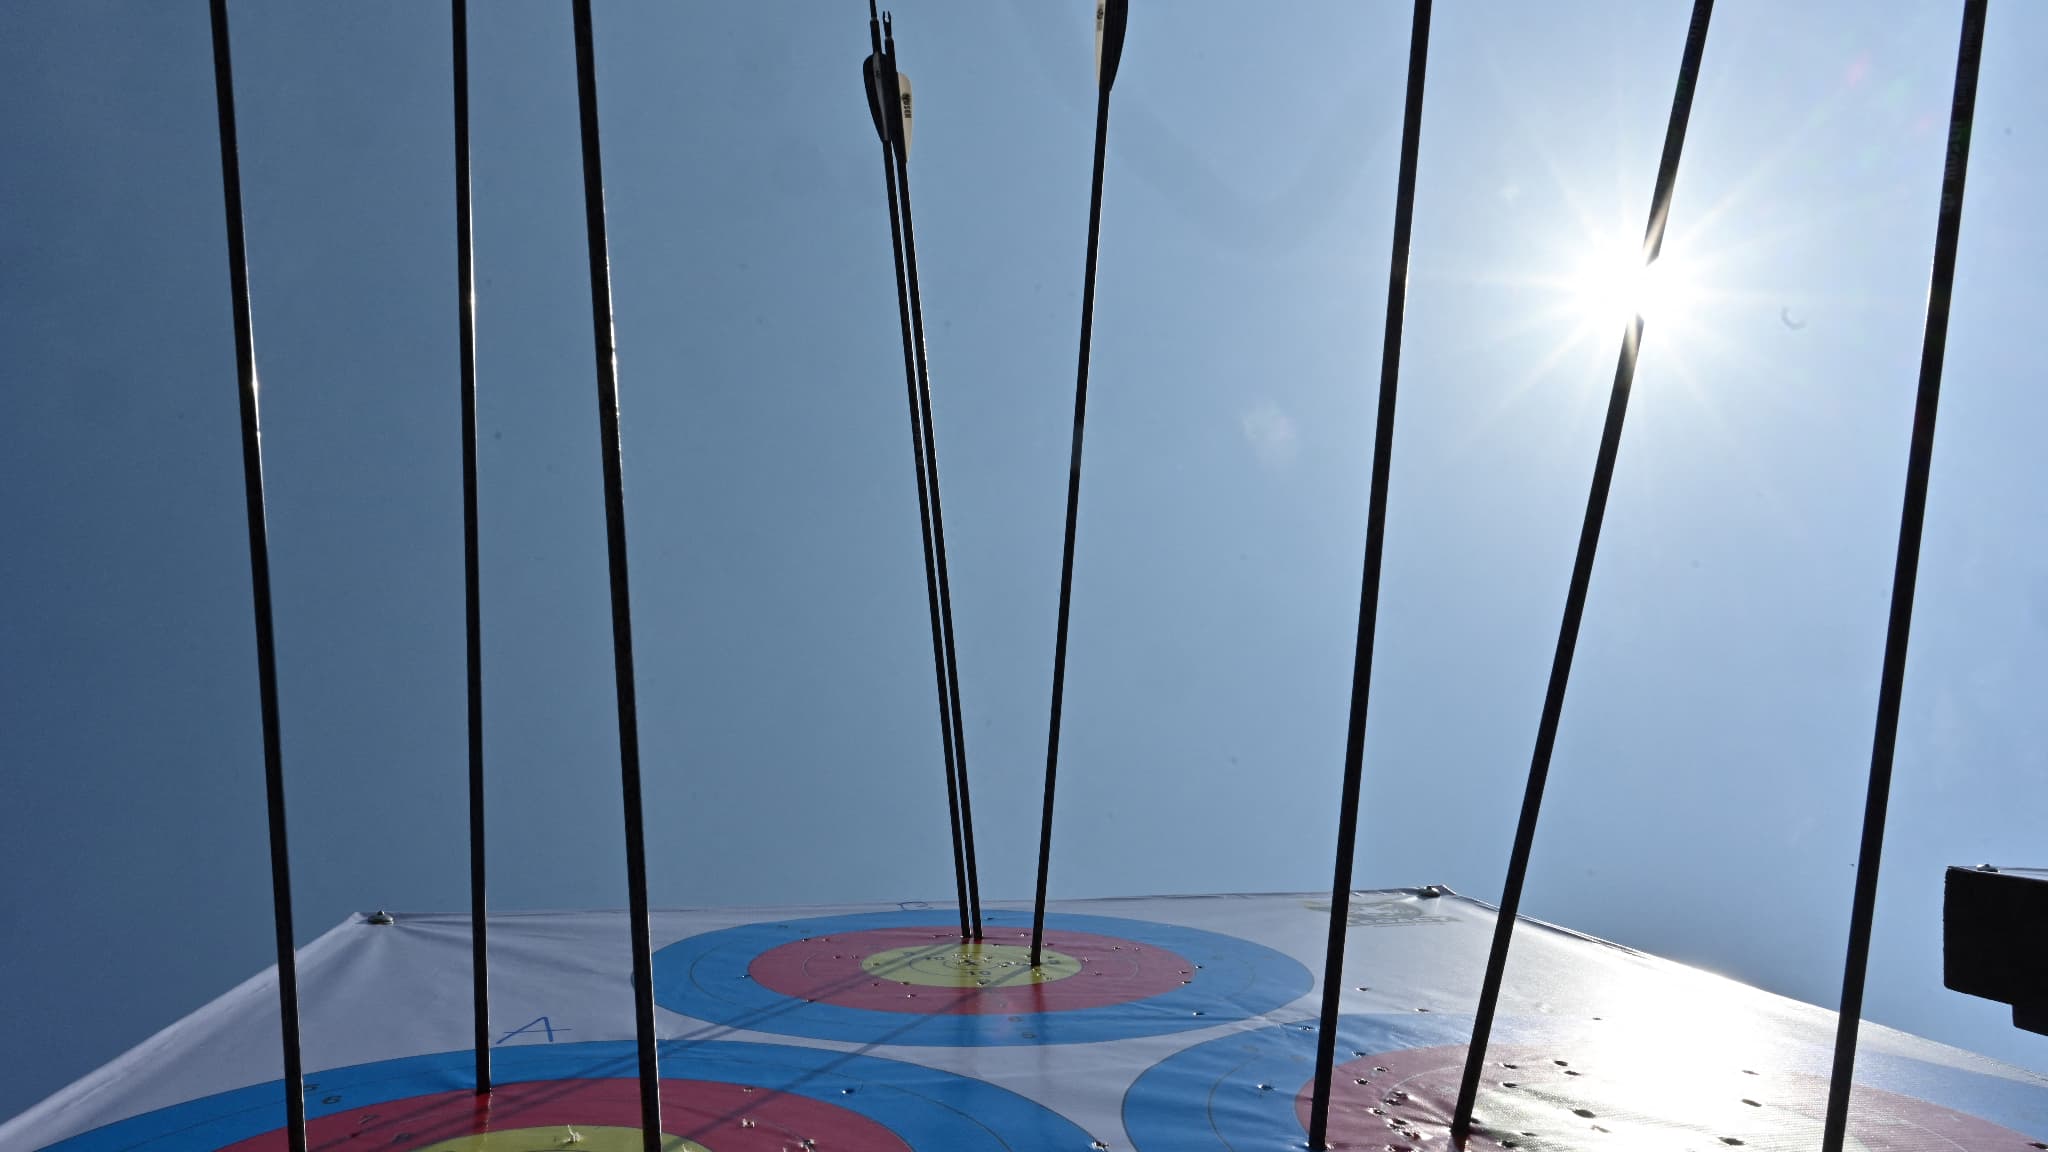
pixel 931 1110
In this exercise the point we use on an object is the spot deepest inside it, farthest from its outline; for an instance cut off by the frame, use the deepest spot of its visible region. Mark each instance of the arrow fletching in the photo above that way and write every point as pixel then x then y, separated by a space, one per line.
pixel 1110 18
pixel 871 77
pixel 903 103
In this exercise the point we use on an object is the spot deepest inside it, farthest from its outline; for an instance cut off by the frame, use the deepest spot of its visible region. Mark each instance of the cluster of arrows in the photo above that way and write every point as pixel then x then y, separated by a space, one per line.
pixel 891 106
pixel 889 102
pixel 888 94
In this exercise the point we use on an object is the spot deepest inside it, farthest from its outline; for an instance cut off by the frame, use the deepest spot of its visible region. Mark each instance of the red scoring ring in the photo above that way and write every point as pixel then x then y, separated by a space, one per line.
pixel 708 1112
pixel 827 970
pixel 1418 1087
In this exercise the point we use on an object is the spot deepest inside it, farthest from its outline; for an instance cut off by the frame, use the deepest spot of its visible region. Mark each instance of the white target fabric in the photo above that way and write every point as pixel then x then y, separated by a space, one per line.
pixel 376 992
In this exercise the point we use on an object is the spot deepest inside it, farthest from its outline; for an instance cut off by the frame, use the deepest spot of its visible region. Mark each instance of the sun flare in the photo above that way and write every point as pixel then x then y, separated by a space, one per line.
pixel 1612 286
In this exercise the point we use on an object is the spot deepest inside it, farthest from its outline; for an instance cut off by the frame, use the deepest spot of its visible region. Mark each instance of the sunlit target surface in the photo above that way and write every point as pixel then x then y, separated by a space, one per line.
pixel 1387 1095
pixel 908 978
pixel 716 1097
pixel 865 1031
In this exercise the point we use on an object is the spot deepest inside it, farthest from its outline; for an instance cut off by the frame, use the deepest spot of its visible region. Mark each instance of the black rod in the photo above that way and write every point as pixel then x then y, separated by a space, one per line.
pixel 1919 461
pixel 622 609
pixel 1369 589
pixel 1110 16
pixel 1582 575
pixel 878 73
pixel 900 146
pixel 479 949
pixel 259 581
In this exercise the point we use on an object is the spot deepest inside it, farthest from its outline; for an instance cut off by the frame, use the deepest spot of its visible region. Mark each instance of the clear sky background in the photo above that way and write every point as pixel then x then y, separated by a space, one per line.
pixel 1709 776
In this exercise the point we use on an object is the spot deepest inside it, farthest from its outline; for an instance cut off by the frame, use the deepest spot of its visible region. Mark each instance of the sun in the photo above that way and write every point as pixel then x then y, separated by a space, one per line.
pixel 1584 289
pixel 1612 285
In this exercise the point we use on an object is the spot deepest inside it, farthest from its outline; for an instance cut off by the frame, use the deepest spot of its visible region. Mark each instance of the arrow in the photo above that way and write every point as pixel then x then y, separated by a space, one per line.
pixel 1110 18
pixel 1369 590
pixel 259 580
pixel 1919 461
pixel 612 462
pixel 1582 576
pixel 479 928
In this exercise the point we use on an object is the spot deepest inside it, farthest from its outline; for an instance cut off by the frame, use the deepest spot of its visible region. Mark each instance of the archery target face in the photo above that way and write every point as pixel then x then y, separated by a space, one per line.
pixel 716 1097
pixel 908 978
pixel 588 1115
pixel 921 971
pixel 1390 1094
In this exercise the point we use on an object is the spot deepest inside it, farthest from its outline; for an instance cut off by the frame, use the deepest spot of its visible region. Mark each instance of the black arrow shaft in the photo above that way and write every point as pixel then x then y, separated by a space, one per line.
pixel 259 581
pixel 930 574
pixel 1919 464
pixel 1582 577
pixel 1369 585
pixel 929 447
pixel 480 984
pixel 1059 651
pixel 622 603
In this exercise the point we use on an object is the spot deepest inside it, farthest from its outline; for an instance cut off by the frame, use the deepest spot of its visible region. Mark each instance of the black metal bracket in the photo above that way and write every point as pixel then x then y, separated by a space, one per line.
pixel 1994 935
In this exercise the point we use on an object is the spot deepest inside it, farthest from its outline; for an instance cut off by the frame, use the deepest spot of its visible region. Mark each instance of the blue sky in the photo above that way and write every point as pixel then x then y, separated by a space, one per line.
pixel 1707 790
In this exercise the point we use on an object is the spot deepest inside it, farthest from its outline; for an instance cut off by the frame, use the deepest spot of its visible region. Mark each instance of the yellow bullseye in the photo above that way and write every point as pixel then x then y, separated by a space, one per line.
pixel 970 964
pixel 561 1138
